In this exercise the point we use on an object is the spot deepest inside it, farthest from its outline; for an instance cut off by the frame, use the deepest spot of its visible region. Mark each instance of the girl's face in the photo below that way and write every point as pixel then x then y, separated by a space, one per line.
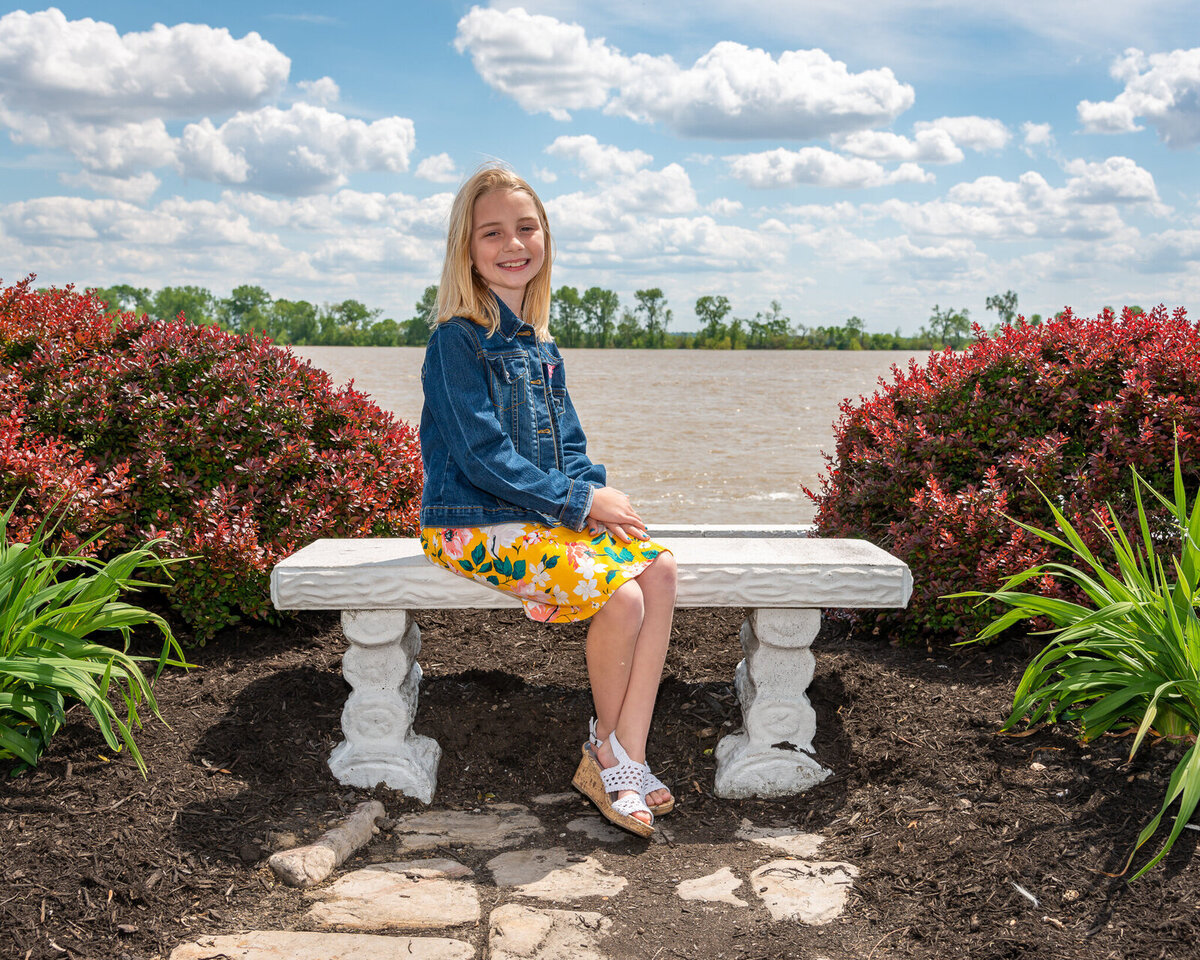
pixel 508 245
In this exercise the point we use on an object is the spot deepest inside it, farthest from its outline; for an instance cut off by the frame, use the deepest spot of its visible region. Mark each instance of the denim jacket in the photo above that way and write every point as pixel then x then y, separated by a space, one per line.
pixel 500 439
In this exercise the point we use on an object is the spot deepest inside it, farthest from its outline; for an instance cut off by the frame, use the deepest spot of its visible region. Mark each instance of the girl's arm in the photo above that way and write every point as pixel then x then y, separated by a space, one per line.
pixel 456 390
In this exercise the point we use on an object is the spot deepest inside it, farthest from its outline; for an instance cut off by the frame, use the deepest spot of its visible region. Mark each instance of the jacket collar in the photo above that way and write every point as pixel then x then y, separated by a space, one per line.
pixel 510 323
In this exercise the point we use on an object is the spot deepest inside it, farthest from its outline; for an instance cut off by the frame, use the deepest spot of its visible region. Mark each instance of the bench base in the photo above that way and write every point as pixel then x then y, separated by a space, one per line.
pixel 771 755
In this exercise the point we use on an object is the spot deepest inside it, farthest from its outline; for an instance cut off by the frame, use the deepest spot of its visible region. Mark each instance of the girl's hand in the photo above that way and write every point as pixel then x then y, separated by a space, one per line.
pixel 611 510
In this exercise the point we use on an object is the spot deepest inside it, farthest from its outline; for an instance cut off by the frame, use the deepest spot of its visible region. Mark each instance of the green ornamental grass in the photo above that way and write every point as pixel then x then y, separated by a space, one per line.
pixel 48 657
pixel 1130 658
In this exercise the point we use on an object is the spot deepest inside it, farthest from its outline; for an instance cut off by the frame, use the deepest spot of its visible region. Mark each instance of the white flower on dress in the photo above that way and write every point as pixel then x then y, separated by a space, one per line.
pixel 589 565
pixel 560 595
pixel 506 534
pixel 538 573
pixel 587 589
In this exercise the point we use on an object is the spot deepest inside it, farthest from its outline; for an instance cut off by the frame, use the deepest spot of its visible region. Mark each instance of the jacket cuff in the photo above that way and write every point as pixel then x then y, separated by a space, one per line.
pixel 579 504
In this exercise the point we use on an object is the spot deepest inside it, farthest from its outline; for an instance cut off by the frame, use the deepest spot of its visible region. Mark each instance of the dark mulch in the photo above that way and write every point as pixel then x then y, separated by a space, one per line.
pixel 943 817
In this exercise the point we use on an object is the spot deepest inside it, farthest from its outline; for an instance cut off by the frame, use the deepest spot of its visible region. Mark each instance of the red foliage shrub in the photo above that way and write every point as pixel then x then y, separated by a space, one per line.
pixel 233 449
pixel 931 465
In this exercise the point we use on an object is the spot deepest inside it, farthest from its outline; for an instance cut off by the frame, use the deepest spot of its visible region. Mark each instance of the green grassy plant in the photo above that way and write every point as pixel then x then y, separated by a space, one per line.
pixel 48 657
pixel 1130 657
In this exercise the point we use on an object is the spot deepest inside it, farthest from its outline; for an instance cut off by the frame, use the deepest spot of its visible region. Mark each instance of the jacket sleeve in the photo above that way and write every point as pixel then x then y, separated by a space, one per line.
pixel 456 390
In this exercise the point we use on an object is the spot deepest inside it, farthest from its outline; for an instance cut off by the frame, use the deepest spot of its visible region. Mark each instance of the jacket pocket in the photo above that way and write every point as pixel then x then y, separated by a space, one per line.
pixel 508 379
pixel 556 375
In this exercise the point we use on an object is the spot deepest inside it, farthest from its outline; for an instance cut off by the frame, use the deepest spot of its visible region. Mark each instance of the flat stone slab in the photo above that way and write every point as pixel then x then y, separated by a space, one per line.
pixel 498 826
pixel 415 894
pixel 284 945
pixel 596 828
pixel 554 874
pixel 393 574
pixel 557 799
pixel 783 839
pixel 807 892
pixel 715 888
pixel 517 932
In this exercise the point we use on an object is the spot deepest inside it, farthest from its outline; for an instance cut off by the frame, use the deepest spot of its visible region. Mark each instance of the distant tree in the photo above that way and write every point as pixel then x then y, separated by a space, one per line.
pixel 1005 305
pixel 415 330
pixel 197 304
pixel 567 317
pixel 711 313
pixel 347 322
pixel 294 321
pixel 629 331
pixel 600 315
pixel 124 298
pixel 1035 320
pixel 949 326
pixel 654 315
pixel 246 310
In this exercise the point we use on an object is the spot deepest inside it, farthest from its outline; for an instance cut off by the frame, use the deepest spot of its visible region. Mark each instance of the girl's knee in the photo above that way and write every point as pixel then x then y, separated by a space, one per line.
pixel 661 575
pixel 626 603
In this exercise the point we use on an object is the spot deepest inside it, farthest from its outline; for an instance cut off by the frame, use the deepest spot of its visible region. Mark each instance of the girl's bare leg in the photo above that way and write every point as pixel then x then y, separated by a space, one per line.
pixel 631 716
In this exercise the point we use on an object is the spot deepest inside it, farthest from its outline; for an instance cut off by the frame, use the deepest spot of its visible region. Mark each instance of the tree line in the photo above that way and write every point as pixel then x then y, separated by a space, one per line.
pixel 593 318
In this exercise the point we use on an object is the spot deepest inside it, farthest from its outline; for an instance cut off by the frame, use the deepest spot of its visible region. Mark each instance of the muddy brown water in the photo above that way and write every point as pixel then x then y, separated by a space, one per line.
pixel 692 436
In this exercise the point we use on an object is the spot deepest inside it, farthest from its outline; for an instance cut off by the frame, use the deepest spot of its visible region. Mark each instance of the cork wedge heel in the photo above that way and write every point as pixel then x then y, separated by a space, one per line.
pixel 596 783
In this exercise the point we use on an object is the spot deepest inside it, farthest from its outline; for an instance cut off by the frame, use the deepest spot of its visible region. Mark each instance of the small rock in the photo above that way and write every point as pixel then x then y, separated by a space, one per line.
pixel 250 852
pixel 282 945
pixel 415 894
pixel 517 932
pixel 1037 766
pixel 783 839
pixel 715 888
pixel 552 875
pixel 813 893
pixel 284 841
pixel 500 825
pixel 596 829
pixel 556 799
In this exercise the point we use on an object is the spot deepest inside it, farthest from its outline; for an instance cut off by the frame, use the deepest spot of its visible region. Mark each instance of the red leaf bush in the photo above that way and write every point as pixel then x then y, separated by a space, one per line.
pixel 930 466
pixel 233 449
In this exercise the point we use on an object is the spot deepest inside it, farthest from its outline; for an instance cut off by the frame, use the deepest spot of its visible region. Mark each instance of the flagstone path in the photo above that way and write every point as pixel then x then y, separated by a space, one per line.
pixel 550 898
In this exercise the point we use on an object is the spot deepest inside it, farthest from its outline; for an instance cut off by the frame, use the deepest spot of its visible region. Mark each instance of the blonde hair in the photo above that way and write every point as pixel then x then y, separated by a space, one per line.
pixel 463 292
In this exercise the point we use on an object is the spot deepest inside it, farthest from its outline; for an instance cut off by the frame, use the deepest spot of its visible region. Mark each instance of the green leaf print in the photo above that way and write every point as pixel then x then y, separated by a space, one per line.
pixel 466 564
pixel 494 581
pixel 549 560
pixel 608 576
pixel 485 567
pixel 504 566
pixel 518 570
pixel 478 553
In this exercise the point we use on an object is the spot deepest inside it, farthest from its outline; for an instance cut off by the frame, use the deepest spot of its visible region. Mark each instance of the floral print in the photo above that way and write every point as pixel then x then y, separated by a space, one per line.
pixel 557 573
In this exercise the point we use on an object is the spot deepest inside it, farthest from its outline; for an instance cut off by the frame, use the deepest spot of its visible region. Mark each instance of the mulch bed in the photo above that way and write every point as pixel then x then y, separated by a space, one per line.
pixel 944 818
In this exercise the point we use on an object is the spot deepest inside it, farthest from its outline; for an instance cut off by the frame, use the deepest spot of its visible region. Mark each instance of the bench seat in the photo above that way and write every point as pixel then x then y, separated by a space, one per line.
pixel 785 581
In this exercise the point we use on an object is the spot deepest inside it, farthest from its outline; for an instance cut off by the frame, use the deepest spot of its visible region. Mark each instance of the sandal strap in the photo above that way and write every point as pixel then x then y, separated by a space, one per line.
pixel 626 774
pixel 650 782
pixel 632 803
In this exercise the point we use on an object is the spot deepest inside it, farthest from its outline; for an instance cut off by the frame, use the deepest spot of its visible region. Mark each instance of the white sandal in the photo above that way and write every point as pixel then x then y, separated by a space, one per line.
pixel 650 782
pixel 597 783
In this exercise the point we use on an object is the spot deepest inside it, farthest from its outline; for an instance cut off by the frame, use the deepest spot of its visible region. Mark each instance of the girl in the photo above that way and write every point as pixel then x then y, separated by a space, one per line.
pixel 512 500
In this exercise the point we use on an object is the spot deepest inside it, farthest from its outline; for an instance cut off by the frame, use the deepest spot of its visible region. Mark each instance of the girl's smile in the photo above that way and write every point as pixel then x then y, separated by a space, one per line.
pixel 507 244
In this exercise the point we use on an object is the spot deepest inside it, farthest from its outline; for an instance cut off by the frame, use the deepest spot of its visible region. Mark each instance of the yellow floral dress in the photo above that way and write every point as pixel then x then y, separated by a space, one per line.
pixel 557 573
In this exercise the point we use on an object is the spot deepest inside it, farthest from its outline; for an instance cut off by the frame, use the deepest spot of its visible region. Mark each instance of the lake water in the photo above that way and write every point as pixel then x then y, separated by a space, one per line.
pixel 704 436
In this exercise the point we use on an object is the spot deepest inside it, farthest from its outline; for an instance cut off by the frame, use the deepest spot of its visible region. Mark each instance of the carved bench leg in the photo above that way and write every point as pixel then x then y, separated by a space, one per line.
pixel 381 667
pixel 770 757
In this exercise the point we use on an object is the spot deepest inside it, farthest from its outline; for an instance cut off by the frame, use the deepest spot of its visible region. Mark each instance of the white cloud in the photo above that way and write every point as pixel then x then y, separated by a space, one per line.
pixel 1163 89
pixel 818 167
pixel 597 161
pixel 1115 180
pixel 302 149
pixel 927 146
pixel 662 192
pixel 1034 135
pixel 323 92
pixel 724 207
pixel 975 133
pixel 84 69
pixel 135 189
pixel 730 92
pixel 541 63
pixel 437 169
pixel 117 148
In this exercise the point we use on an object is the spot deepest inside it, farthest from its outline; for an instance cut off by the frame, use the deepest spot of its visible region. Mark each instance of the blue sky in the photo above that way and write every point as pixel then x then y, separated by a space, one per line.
pixel 869 160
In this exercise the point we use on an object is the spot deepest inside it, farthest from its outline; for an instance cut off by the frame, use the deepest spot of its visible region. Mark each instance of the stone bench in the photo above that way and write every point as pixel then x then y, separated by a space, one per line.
pixel 785 581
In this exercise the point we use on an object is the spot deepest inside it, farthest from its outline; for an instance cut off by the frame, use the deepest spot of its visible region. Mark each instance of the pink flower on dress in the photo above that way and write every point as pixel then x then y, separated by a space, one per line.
pixel 524 588
pixel 454 542
pixel 540 611
pixel 577 552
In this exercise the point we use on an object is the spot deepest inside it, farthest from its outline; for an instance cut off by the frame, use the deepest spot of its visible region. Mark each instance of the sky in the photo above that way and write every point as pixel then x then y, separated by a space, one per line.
pixel 869 160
